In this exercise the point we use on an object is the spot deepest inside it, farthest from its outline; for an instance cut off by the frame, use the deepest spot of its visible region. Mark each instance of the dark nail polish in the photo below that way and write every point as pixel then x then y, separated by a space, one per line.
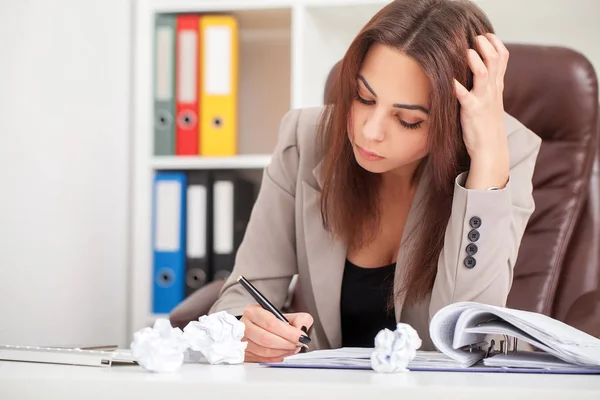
pixel 304 329
pixel 305 340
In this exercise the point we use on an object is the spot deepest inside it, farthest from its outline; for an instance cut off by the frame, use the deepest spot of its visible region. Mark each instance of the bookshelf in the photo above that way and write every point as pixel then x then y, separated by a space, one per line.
pixel 286 50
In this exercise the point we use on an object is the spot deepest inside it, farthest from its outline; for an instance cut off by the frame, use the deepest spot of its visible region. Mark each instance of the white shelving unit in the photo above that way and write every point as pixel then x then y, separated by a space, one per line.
pixel 242 161
pixel 287 48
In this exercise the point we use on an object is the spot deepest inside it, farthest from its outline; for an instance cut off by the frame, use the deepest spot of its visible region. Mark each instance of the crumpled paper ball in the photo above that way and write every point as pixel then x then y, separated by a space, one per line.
pixel 160 348
pixel 395 350
pixel 216 337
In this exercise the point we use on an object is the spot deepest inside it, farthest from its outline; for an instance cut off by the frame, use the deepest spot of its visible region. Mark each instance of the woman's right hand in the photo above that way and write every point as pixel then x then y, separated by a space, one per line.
pixel 269 339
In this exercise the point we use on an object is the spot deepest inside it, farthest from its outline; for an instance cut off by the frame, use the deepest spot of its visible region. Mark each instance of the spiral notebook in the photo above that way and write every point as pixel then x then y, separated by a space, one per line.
pixel 462 333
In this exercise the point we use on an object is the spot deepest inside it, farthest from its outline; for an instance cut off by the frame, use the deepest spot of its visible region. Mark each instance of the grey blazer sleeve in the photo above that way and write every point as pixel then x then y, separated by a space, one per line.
pixel 484 232
pixel 266 255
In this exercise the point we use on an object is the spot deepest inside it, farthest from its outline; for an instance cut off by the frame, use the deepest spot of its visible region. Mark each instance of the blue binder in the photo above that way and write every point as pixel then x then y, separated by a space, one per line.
pixel 168 241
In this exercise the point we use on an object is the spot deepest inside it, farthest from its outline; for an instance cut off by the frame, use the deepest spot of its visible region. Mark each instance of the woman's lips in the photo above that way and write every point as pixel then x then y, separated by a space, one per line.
pixel 368 155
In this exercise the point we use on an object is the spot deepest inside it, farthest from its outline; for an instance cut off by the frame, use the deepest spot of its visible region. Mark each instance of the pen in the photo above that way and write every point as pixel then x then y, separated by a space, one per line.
pixel 266 304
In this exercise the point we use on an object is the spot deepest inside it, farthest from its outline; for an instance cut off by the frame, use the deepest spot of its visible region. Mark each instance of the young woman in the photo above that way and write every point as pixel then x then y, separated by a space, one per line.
pixel 410 191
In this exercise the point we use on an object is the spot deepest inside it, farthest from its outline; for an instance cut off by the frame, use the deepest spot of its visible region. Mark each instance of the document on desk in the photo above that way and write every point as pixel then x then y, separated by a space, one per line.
pixel 360 358
pixel 462 332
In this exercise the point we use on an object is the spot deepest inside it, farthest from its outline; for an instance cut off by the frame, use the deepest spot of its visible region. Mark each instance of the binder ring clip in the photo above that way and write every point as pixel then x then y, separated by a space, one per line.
pixel 217 122
pixel 474 346
pixel 491 350
pixel 164 119
pixel 196 278
pixel 164 277
pixel 186 119
pixel 504 344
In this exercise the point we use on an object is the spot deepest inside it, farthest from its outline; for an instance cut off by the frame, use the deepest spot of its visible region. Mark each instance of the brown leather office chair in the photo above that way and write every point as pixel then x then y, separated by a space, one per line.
pixel 554 92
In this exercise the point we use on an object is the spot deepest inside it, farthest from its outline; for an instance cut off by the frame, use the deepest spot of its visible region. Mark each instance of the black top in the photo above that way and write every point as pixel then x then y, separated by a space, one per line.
pixel 364 304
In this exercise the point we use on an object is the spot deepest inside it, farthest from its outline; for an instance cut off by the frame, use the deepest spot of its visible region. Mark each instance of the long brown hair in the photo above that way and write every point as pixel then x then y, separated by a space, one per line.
pixel 437 34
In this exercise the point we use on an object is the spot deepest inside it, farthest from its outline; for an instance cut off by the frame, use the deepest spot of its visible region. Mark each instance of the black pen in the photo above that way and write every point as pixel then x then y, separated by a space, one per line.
pixel 266 304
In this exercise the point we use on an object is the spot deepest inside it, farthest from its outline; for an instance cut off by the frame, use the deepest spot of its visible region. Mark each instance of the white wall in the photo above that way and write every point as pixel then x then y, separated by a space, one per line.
pixel 64 144
pixel 569 23
pixel 330 30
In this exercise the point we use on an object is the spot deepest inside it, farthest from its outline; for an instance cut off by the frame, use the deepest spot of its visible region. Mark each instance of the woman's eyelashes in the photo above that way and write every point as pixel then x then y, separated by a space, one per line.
pixel 365 101
pixel 405 124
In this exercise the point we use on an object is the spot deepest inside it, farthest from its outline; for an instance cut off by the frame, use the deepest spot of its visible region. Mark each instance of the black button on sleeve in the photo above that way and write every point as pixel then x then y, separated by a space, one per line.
pixel 471 249
pixel 475 222
pixel 470 262
pixel 474 235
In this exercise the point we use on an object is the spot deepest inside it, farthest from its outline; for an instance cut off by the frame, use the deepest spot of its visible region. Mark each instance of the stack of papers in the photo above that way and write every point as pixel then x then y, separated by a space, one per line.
pixel 459 325
pixel 463 331
pixel 360 358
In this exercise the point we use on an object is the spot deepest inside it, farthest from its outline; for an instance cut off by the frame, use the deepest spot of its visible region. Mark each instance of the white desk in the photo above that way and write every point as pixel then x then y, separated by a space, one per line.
pixel 20 380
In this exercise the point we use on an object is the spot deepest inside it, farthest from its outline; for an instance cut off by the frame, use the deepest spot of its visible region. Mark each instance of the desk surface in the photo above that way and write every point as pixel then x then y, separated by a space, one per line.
pixel 20 380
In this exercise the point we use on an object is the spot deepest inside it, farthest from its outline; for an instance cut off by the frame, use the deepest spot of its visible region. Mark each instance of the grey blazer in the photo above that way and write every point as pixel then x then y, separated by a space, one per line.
pixel 285 236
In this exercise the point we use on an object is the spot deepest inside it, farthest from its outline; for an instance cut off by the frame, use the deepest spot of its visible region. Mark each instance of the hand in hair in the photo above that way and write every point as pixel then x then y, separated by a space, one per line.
pixel 482 114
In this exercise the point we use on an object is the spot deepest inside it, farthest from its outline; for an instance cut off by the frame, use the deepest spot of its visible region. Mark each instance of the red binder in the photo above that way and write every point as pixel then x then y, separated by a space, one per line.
pixel 186 80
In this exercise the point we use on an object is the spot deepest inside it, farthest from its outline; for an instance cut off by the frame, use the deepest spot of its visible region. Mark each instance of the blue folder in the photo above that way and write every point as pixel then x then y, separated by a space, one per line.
pixel 168 241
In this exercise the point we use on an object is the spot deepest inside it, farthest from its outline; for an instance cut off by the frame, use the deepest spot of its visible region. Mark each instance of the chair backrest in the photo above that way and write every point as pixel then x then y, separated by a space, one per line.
pixel 554 92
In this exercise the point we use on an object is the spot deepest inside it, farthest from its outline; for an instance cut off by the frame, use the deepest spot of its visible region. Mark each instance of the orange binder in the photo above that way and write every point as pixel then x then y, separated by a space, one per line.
pixel 186 77
pixel 218 111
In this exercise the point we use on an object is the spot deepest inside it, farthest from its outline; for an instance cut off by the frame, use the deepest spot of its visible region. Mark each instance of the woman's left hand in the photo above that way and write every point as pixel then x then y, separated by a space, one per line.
pixel 482 114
